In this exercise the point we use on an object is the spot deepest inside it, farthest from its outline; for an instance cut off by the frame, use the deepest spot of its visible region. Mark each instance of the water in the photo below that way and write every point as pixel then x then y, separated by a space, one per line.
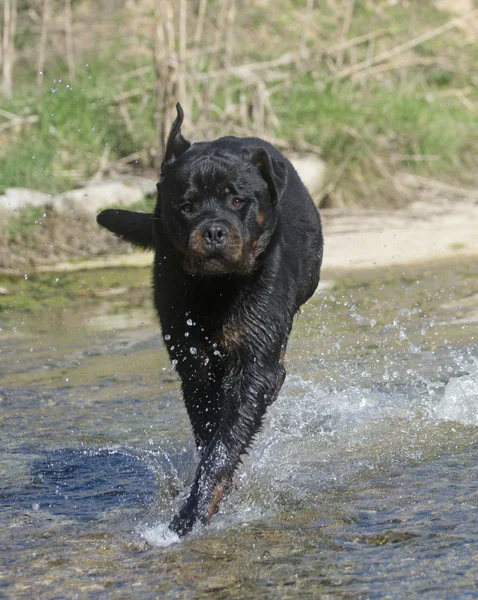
pixel 362 484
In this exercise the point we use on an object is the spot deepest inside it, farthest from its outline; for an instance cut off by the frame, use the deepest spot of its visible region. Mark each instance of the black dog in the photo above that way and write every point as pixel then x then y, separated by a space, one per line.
pixel 238 249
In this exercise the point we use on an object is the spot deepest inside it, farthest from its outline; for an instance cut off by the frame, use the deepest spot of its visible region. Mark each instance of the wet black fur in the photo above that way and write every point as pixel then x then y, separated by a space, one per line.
pixel 226 321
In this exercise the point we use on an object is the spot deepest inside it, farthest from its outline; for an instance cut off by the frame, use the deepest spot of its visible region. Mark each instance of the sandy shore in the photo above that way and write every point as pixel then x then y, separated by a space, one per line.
pixel 420 233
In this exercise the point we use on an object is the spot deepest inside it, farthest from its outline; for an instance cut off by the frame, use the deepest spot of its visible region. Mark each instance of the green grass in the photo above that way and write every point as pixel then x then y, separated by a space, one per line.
pixel 23 222
pixel 51 291
pixel 399 114
pixel 387 122
pixel 77 121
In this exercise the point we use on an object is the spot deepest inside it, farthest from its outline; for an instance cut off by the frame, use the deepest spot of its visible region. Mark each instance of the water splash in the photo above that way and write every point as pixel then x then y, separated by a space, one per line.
pixel 159 535
pixel 460 400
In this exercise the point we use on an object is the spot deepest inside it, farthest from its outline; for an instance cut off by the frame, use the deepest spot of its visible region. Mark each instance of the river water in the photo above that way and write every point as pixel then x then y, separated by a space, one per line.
pixel 362 484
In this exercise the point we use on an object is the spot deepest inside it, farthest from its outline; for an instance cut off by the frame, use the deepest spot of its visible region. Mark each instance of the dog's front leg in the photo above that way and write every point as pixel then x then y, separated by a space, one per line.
pixel 249 389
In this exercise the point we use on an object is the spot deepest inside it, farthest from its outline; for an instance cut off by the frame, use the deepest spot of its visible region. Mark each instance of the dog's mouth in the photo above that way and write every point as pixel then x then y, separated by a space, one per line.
pixel 212 265
pixel 216 265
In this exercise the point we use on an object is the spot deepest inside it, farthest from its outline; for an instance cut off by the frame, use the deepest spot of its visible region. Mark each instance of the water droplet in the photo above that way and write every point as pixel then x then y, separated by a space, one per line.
pixel 167 337
pixel 193 350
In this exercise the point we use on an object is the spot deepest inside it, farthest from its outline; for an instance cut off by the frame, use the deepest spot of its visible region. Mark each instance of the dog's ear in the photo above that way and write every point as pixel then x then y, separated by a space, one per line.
pixel 274 172
pixel 133 227
pixel 176 144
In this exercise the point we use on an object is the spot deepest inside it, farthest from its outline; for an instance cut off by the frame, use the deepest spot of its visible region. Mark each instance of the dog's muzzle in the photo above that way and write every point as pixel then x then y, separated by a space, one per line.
pixel 215 246
pixel 215 236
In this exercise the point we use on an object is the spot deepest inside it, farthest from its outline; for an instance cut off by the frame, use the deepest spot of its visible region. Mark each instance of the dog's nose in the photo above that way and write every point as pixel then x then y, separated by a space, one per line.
pixel 215 235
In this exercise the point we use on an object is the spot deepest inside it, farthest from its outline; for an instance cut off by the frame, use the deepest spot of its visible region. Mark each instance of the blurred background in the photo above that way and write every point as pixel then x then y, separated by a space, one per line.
pixel 375 100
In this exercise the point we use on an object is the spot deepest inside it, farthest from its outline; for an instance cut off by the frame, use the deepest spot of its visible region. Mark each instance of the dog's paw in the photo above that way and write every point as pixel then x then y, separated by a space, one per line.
pixel 184 521
pixel 198 509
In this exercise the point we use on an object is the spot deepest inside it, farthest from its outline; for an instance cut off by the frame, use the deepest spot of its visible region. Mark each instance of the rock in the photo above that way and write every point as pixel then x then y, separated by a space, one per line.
pixel 15 199
pixel 146 185
pixel 3 291
pixel 94 197
pixel 89 199
pixel 311 170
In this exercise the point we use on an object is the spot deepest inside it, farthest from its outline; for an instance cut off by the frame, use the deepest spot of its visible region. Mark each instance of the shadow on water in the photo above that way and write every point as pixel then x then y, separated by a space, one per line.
pixel 81 484
pixel 363 482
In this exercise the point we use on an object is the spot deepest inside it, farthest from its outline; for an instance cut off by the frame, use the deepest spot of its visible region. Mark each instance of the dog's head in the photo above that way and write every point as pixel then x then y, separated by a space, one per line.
pixel 217 204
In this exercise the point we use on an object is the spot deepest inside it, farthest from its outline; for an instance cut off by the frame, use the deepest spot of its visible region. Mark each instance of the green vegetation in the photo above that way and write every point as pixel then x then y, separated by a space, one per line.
pixel 54 291
pixel 375 131
pixel 23 222
pixel 414 111
pixel 76 123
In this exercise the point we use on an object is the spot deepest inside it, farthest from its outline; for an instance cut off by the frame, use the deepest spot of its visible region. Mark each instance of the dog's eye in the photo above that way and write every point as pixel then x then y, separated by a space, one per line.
pixel 187 207
pixel 237 202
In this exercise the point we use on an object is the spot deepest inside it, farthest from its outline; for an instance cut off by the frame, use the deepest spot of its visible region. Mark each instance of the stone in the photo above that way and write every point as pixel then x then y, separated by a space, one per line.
pixel 92 198
pixel 14 199
pixel 312 171
pixel 146 185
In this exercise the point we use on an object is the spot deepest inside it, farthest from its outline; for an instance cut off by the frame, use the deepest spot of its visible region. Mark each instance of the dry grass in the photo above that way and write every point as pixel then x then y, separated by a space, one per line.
pixel 37 237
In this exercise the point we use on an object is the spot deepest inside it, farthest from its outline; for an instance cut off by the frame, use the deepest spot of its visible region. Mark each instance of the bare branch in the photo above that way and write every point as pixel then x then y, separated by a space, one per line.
pixel 8 44
pixel 69 39
pixel 43 38
pixel 400 49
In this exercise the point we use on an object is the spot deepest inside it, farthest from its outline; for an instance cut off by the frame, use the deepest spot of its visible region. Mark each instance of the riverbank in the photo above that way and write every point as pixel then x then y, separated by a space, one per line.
pixel 360 246
pixel 355 239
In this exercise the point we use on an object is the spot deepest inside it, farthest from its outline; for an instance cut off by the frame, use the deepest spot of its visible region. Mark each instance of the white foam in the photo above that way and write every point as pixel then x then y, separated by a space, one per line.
pixel 159 535
pixel 460 400
pixel 314 437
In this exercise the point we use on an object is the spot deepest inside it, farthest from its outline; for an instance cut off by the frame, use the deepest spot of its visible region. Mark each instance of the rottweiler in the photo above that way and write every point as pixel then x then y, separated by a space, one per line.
pixel 238 249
